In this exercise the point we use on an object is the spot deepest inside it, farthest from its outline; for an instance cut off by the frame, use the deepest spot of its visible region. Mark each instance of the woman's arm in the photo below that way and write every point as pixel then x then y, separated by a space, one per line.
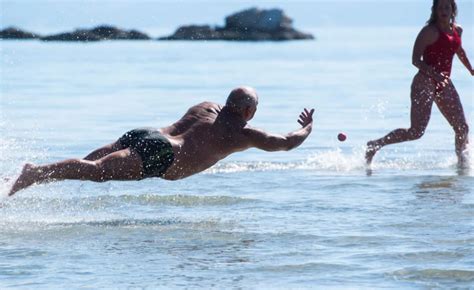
pixel 427 36
pixel 462 54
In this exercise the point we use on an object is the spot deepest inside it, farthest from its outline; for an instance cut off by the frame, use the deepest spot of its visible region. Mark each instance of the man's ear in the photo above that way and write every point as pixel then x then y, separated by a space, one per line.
pixel 248 112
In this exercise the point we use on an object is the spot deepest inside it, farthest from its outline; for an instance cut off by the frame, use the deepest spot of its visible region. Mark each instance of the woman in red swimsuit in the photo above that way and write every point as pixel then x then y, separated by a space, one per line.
pixel 433 54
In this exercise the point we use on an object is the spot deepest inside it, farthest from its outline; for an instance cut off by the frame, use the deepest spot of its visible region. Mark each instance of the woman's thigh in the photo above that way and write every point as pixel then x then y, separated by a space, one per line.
pixel 422 97
pixel 449 103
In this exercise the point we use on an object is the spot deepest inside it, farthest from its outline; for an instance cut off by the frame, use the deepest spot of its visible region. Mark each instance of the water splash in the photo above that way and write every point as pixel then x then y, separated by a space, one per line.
pixel 337 160
pixel 5 185
pixel 100 202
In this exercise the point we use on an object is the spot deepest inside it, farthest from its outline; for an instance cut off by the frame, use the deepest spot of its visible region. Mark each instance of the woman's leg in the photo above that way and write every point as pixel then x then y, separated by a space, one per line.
pixel 422 95
pixel 125 164
pixel 450 106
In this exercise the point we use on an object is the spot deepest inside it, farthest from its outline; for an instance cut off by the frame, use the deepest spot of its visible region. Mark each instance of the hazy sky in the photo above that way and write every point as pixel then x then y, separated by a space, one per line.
pixel 51 16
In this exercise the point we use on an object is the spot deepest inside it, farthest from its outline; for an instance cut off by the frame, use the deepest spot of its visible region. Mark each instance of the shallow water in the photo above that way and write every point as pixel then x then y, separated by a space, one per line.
pixel 306 218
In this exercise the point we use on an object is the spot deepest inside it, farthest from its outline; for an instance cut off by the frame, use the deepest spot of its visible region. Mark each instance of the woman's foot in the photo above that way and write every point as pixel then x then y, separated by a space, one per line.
pixel 372 148
pixel 27 177
pixel 463 160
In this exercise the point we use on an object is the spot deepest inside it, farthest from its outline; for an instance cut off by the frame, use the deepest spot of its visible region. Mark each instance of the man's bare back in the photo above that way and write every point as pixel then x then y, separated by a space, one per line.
pixel 202 137
pixel 207 133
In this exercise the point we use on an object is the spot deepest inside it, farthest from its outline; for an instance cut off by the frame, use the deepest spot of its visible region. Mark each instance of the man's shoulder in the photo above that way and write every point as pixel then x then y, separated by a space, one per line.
pixel 203 107
pixel 207 104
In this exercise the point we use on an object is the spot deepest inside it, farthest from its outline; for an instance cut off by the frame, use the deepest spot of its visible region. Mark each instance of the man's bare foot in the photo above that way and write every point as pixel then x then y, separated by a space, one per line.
pixel 27 177
pixel 372 148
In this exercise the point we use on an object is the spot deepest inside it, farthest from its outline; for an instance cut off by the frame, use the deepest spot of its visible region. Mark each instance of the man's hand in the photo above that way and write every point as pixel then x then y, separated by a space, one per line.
pixel 306 117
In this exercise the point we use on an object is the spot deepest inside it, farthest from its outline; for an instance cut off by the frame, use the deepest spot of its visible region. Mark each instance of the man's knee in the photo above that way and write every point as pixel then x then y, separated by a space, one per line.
pixel 103 173
pixel 98 173
pixel 415 133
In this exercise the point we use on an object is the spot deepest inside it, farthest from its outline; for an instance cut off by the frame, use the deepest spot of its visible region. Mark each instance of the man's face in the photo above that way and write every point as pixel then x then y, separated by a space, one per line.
pixel 251 112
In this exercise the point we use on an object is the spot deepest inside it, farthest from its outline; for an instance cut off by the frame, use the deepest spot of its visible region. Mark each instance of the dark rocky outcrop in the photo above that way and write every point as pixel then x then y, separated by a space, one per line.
pixel 78 35
pixel 16 33
pixel 99 33
pixel 248 25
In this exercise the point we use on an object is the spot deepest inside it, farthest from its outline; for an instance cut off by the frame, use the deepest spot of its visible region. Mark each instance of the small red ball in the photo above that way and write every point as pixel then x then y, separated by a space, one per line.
pixel 341 137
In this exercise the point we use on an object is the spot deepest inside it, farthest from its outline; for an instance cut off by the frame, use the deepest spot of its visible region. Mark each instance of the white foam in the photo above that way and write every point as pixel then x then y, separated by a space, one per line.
pixel 5 186
pixel 336 160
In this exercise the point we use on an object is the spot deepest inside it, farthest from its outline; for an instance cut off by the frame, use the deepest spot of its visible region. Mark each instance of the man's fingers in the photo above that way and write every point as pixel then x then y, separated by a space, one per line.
pixel 306 117
pixel 308 113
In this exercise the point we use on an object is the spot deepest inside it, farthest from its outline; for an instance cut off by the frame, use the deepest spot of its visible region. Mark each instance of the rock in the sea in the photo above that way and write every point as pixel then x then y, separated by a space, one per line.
pixel 78 35
pixel 99 33
pixel 16 33
pixel 248 25
pixel 113 33
pixel 196 32
pixel 258 20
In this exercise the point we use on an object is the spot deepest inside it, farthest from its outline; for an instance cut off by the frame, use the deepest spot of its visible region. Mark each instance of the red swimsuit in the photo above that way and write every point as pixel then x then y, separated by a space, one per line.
pixel 439 55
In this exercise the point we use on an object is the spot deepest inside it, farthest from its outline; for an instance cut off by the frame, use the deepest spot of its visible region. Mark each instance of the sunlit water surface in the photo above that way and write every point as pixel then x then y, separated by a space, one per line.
pixel 306 218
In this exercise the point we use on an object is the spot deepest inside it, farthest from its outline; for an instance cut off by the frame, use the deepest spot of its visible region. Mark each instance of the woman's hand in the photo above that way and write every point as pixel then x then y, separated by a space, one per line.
pixel 441 78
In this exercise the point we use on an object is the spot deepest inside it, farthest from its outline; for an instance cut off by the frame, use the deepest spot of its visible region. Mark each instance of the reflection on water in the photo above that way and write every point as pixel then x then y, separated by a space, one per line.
pixel 441 189
pixel 464 171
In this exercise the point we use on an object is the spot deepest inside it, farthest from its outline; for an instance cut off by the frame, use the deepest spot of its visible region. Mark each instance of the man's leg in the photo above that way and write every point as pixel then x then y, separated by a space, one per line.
pixel 103 151
pixel 125 164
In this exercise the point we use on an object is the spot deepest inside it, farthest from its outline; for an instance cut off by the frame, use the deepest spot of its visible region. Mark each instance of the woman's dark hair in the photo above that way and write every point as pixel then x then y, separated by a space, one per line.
pixel 434 15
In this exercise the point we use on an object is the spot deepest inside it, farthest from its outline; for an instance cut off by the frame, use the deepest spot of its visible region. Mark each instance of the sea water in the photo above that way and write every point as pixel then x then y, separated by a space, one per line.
pixel 306 218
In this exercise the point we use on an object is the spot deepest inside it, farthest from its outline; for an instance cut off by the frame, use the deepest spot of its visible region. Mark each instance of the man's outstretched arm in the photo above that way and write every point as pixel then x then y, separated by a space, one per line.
pixel 273 142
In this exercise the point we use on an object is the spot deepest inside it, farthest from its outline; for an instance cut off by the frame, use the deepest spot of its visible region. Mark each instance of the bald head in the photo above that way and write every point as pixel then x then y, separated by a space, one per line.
pixel 242 98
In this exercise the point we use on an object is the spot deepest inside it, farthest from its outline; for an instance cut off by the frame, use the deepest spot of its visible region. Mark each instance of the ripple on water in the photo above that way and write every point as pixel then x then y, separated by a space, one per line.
pixel 308 267
pixel 98 202
pixel 426 256
pixel 435 275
